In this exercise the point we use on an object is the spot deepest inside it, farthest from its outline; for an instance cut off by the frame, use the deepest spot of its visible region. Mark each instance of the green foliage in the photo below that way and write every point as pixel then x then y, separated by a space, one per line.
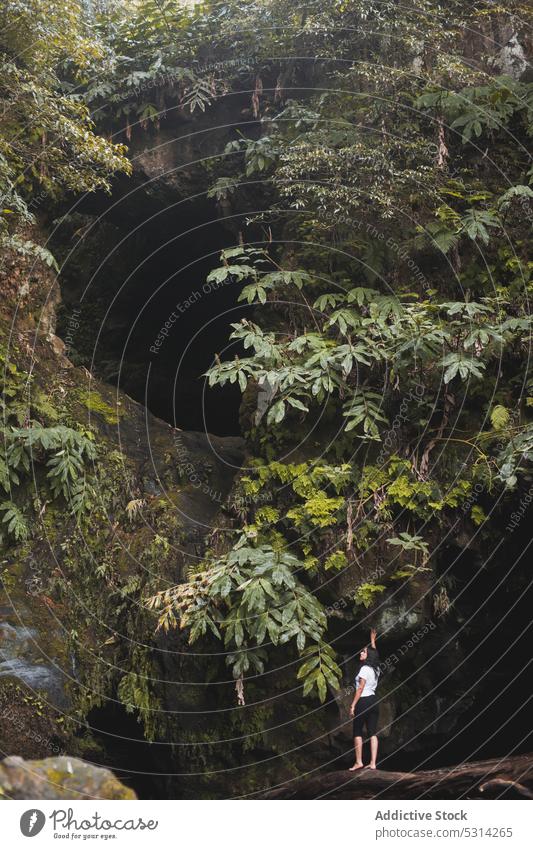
pixel 62 451
pixel 500 417
pixel 474 110
pixel 515 457
pixel 409 542
pixel 319 492
pixel 477 515
pixel 520 193
pixel 149 65
pixel 136 695
pixel 365 409
pixel 308 369
pixel 460 364
pixel 319 670
pixel 319 511
pixel 223 188
pixel 17 526
pixel 96 405
pixel 259 154
pixel 396 484
pixel 27 248
pixel 366 594
pixel 476 224
pixel 337 560
pixel 252 600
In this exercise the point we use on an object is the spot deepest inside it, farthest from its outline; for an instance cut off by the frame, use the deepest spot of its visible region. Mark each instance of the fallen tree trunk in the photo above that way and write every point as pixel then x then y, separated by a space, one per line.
pixel 509 778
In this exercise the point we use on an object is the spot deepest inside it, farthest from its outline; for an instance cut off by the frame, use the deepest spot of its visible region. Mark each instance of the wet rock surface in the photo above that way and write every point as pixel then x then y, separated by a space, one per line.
pixel 21 657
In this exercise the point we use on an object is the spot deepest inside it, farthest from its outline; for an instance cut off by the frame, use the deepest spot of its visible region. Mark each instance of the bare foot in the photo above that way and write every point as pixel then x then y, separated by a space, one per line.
pixel 356 766
pixel 372 766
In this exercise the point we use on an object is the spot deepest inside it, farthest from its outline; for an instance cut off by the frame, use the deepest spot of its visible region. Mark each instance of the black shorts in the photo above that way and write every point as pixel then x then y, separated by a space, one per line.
pixel 366 713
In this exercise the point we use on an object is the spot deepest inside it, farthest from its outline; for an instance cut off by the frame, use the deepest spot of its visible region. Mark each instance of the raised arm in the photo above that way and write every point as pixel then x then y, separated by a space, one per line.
pixel 373 635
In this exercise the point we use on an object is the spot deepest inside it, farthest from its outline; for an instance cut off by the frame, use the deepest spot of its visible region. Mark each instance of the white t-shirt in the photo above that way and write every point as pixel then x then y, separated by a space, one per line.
pixel 371 680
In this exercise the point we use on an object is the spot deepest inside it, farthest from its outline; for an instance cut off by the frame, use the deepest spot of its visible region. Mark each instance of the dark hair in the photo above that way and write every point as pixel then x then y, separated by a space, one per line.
pixel 372 659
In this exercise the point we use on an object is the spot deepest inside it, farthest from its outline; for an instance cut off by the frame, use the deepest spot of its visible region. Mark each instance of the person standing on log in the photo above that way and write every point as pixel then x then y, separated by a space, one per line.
pixel 365 708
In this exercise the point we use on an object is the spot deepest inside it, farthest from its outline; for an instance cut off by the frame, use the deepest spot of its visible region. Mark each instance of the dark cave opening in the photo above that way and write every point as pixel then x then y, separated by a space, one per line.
pixel 143 766
pixel 148 319
pixel 481 667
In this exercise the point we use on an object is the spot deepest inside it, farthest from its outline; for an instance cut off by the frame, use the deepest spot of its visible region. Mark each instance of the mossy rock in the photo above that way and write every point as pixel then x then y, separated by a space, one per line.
pixel 59 778
pixel 29 725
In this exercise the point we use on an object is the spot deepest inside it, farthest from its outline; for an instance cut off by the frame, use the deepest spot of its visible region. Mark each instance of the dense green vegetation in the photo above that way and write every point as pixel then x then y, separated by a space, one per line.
pixel 389 349
pixel 48 145
pixel 48 148
pixel 399 193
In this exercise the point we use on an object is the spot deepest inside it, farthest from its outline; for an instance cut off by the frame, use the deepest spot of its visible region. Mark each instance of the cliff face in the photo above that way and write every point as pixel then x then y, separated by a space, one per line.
pixel 134 269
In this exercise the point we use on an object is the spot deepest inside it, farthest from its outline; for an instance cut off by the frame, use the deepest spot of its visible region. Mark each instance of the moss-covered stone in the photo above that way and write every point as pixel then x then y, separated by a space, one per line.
pixel 97 406
pixel 59 778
